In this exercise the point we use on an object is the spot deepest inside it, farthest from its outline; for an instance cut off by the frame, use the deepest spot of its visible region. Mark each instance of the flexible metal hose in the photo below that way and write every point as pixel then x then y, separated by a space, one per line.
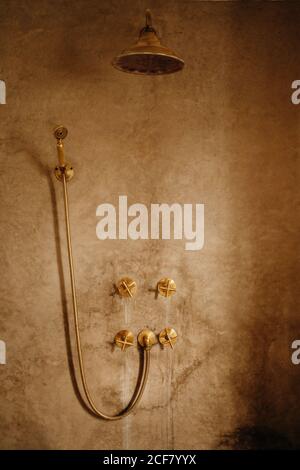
pixel 146 353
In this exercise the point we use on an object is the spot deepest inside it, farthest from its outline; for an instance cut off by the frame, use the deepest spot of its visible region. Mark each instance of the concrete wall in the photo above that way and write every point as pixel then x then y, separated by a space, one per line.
pixel 224 133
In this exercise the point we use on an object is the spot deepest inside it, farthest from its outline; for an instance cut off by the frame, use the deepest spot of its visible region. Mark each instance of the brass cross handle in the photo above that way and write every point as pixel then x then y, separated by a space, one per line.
pixel 166 287
pixel 126 287
pixel 168 337
pixel 124 339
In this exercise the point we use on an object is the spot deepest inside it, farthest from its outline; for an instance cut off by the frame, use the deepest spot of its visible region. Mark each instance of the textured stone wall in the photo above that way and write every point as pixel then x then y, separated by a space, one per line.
pixel 224 133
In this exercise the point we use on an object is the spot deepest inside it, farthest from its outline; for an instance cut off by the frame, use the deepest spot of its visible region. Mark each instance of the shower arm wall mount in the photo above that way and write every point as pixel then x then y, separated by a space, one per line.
pixel 64 172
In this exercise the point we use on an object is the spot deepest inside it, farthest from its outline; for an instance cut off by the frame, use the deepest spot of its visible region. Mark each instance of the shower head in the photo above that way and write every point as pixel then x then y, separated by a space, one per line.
pixel 60 132
pixel 148 56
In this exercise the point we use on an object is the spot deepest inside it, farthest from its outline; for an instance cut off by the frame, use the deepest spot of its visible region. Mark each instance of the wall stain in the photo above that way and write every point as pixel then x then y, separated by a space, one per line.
pixel 184 375
pixel 255 438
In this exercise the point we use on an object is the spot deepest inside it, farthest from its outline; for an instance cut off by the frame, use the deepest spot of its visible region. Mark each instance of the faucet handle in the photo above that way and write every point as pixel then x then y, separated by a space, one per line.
pixel 124 339
pixel 126 287
pixel 168 337
pixel 166 287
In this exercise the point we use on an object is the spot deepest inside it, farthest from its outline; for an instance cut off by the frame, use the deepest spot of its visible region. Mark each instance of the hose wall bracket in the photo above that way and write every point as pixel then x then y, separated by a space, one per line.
pixel 66 170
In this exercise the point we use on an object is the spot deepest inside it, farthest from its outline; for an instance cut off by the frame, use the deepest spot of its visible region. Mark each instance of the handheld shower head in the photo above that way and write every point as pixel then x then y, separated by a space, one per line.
pixel 60 132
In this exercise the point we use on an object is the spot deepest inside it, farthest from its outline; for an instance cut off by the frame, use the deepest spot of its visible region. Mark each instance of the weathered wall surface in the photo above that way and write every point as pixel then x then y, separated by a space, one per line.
pixel 223 133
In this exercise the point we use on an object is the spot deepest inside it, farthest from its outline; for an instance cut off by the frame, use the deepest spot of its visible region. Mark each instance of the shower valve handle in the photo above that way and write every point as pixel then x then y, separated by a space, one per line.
pixel 126 287
pixel 167 337
pixel 166 287
pixel 124 339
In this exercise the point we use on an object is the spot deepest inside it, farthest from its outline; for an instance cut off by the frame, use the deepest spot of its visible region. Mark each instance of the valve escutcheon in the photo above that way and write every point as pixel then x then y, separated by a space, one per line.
pixel 168 337
pixel 124 339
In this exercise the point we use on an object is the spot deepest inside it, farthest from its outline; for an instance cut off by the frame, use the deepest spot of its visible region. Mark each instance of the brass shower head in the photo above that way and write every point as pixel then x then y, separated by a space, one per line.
pixel 60 132
pixel 148 56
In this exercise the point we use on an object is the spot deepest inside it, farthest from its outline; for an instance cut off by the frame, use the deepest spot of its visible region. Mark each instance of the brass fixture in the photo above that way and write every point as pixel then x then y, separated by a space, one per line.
pixel 60 133
pixel 166 287
pixel 126 287
pixel 67 170
pixel 148 56
pixel 124 339
pixel 147 339
pixel 168 337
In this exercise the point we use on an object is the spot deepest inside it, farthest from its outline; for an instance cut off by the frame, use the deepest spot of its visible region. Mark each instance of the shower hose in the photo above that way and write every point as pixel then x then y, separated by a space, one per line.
pixel 146 352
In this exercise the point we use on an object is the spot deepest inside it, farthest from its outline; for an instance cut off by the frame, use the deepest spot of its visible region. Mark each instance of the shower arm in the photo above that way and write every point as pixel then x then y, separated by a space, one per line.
pixel 64 172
